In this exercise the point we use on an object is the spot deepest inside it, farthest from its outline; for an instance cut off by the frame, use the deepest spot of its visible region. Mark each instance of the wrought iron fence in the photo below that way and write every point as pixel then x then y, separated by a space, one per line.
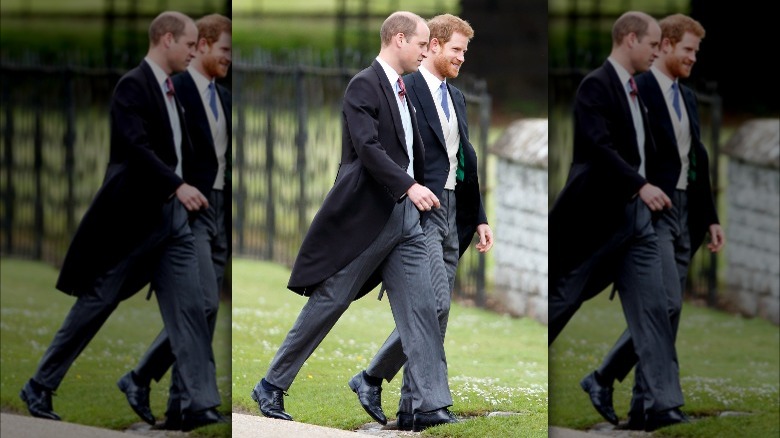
pixel 287 143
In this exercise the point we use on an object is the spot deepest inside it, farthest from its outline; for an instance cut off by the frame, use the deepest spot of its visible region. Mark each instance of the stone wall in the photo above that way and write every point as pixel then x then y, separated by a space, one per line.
pixel 520 225
pixel 753 223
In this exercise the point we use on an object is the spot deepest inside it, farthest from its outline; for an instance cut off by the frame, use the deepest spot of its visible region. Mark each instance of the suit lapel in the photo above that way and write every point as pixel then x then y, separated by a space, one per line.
pixel 159 100
pixel 384 83
pixel 689 100
pixel 619 93
pixel 190 95
pixel 224 99
pixel 427 105
pixel 657 104
pixel 460 112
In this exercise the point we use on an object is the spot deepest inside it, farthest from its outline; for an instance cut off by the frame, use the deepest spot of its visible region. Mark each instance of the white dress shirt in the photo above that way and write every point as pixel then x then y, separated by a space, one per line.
pixel 173 114
pixel 406 117
pixel 448 127
pixel 636 112
pixel 682 126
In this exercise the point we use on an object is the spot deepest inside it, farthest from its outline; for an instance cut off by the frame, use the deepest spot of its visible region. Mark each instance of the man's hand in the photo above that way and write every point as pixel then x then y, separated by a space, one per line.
pixel 717 238
pixel 191 198
pixel 485 238
pixel 422 197
pixel 654 198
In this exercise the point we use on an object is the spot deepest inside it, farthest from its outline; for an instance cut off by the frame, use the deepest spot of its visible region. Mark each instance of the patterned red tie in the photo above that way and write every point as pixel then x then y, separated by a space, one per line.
pixel 634 91
pixel 169 83
pixel 401 89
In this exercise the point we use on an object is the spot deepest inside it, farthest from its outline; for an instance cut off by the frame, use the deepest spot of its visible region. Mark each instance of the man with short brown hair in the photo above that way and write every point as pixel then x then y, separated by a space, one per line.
pixel 136 230
pixel 451 173
pixel 207 106
pixel 683 174
pixel 372 215
pixel 601 228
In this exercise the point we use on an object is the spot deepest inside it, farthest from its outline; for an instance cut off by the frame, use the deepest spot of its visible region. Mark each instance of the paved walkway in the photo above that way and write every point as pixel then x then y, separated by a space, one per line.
pixel 250 426
pixel 20 426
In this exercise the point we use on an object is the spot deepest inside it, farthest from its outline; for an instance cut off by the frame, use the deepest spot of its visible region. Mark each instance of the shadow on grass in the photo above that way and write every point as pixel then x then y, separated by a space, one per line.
pixel 32 310
pixel 496 363
pixel 727 364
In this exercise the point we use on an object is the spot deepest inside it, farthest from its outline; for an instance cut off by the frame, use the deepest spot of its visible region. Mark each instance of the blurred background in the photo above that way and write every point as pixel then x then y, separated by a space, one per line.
pixel 59 62
pixel 730 92
pixel 292 63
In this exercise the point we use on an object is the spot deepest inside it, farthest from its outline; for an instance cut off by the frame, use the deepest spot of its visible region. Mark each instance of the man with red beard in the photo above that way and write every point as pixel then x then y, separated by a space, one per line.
pixel 451 174
pixel 207 108
pixel 682 172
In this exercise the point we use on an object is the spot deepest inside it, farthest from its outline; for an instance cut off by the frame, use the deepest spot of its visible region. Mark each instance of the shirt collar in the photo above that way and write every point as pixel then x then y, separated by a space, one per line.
pixel 392 75
pixel 663 81
pixel 200 81
pixel 433 82
pixel 159 74
pixel 622 73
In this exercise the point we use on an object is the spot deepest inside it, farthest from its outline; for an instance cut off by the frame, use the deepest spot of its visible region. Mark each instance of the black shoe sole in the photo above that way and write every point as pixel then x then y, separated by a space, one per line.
pixel 353 387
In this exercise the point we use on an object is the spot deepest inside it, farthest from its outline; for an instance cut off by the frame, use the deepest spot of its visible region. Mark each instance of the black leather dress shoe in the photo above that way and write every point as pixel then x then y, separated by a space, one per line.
pixel 405 421
pixel 137 397
pixel 636 421
pixel 38 401
pixel 600 397
pixel 194 420
pixel 271 403
pixel 424 420
pixel 369 396
pixel 656 420
pixel 172 422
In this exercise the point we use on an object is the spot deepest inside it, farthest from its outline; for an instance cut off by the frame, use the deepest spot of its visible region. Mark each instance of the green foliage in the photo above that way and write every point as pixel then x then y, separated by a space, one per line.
pixel 33 310
pixel 496 363
pixel 727 364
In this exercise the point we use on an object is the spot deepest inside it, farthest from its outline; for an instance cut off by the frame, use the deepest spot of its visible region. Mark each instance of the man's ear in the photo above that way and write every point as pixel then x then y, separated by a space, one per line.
pixel 434 45
pixel 167 40
pixel 666 45
pixel 631 39
pixel 399 39
pixel 203 45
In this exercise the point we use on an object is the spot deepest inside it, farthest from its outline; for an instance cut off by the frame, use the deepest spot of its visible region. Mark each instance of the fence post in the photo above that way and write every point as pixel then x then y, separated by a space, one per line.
pixel 717 118
pixel 484 126
pixel 301 138
pixel 269 171
pixel 8 160
pixel 70 159
pixel 238 165
pixel 38 172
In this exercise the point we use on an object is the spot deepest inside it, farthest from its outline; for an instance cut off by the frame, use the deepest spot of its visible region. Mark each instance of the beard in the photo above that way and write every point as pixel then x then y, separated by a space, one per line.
pixel 445 67
pixel 213 68
pixel 678 68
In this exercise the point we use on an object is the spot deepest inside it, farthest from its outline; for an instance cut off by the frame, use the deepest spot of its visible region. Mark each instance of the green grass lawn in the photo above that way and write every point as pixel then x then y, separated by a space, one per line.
pixel 32 310
pixel 727 363
pixel 496 363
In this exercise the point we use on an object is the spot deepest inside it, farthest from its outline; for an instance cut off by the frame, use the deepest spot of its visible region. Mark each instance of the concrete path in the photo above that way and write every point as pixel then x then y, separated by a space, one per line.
pixel 251 426
pixel 20 426
pixel 246 426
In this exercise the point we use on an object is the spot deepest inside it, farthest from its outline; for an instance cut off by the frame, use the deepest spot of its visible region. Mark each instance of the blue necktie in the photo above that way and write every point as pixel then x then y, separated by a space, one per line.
pixel 213 101
pixel 676 100
pixel 444 104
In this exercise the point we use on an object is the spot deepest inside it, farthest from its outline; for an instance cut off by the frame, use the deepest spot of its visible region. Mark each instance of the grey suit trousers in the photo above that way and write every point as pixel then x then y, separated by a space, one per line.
pixel 674 243
pixel 400 252
pixel 441 240
pixel 168 259
pixel 632 260
pixel 209 228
